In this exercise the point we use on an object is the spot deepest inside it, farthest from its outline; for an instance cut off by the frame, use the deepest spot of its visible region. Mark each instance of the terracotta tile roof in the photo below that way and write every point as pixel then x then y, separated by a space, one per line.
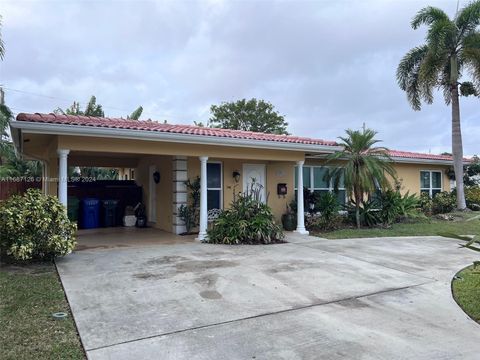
pixel 413 155
pixel 148 125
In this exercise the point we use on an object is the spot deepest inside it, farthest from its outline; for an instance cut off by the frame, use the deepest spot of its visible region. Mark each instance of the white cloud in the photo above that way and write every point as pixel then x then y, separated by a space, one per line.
pixel 325 65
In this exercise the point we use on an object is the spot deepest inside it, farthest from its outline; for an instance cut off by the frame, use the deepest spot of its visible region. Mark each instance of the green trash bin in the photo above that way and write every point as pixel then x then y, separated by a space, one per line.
pixel 110 212
pixel 72 208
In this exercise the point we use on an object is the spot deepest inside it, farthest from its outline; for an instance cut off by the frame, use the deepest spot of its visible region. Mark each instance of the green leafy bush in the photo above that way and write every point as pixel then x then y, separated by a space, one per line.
pixel 35 226
pixel 247 221
pixel 425 203
pixel 327 204
pixel 395 207
pixel 443 203
pixel 369 212
pixel 190 213
pixel 472 196
pixel 319 222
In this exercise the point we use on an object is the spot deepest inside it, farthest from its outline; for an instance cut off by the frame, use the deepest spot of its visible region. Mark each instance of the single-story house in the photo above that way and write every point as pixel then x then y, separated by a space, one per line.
pixel 225 160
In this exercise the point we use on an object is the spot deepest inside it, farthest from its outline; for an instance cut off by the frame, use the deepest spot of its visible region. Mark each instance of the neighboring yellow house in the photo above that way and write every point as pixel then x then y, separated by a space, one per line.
pixel 227 159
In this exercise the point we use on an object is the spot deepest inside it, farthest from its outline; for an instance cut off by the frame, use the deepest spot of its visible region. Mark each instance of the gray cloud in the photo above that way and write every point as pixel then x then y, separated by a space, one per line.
pixel 325 65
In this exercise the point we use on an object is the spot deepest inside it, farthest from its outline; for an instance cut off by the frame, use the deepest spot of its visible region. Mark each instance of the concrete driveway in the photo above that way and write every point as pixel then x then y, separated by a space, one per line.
pixel 384 298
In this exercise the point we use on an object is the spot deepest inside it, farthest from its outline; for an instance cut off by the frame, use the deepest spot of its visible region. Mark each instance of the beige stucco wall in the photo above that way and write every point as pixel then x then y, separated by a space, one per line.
pixel 407 174
pixel 279 166
pixel 163 189
pixel 113 145
pixel 276 172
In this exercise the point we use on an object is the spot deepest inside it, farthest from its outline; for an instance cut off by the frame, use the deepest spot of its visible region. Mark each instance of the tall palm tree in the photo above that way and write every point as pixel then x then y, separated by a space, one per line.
pixel 367 166
pixel 2 47
pixel 452 48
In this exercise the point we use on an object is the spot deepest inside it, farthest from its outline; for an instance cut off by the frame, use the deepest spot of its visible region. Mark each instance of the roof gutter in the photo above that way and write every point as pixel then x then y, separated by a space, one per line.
pixel 75 130
pixel 403 160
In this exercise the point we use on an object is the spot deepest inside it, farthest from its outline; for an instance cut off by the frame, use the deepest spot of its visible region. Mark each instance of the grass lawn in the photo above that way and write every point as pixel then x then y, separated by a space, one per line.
pixel 467 292
pixel 28 296
pixel 432 226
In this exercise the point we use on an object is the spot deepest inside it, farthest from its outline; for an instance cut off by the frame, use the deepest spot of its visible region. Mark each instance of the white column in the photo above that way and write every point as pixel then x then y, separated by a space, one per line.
pixel 202 234
pixel 62 175
pixel 300 211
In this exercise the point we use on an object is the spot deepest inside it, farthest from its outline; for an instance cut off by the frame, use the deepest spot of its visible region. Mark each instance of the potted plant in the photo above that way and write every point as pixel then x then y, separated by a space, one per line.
pixel 289 219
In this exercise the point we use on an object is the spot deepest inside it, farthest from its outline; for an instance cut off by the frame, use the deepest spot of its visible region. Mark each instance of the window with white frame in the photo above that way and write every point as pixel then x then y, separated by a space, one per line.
pixel 214 185
pixel 430 182
pixel 314 180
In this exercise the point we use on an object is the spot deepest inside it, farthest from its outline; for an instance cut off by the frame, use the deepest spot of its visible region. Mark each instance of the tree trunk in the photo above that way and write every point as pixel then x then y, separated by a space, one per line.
pixel 457 148
pixel 357 209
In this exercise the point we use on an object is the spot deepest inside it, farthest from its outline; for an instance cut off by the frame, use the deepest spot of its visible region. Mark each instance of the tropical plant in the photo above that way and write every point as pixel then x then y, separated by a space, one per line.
pixel 425 203
pixel 135 115
pixel 289 219
pixel 395 207
pixel 248 115
pixel 409 206
pixel 452 49
pixel 190 213
pixel 472 196
pixel 368 212
pixel 35 226
pixel 10 164
pixel 327 204
pixel 443 202
pixel 472 173
pixel 365 167
pixel 247 221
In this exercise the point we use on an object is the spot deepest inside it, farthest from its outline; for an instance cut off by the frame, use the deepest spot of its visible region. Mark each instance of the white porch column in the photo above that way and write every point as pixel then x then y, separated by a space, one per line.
pixel 63 175
pixel 202 234
pixel 300 210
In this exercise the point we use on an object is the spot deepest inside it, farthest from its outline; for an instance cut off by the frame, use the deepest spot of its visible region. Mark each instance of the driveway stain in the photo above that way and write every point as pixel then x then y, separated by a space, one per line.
pixel 210 294
pixel 149 276
pixel 198 265
pixel 165 260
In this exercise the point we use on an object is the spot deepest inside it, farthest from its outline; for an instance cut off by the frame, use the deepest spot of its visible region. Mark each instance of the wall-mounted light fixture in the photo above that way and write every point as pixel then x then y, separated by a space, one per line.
pixel 236 176
pixel 156 177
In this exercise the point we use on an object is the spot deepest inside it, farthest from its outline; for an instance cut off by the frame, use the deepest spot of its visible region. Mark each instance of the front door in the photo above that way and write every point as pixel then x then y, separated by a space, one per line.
pixel 255 174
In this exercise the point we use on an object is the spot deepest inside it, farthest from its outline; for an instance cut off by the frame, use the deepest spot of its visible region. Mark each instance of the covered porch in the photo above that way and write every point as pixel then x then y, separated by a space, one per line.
pixel 162 177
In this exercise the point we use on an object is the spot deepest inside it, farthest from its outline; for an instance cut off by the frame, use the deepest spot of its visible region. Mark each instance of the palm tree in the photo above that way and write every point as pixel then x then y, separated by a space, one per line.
pixel 366 167
pixel 2 47
pixel 452 47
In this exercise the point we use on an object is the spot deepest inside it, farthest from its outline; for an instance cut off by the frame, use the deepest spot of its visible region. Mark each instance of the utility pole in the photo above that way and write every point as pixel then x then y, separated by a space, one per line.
pixel 2 96
pixel 364 127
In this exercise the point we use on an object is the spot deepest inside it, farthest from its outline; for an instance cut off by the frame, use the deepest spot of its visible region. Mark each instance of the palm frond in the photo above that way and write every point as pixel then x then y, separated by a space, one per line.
pixel 408 74
pixel 428 16
pixel 468 18
pixel 2 45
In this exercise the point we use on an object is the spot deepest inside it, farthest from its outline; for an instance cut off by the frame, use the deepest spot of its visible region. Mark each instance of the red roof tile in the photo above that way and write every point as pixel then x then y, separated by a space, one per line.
pixel 413 155
pixel 149 125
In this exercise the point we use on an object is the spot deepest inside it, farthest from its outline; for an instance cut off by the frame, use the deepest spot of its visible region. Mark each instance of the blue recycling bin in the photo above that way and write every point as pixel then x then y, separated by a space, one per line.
pixel 90 218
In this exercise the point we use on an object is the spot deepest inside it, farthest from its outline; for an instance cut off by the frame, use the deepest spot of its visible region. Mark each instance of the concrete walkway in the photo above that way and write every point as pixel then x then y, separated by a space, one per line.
pixel 383 298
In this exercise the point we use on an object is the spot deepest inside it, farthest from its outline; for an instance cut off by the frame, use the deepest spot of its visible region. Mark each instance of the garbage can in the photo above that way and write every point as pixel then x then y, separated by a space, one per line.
pixel 110 212
pixel 72 208
pixel 90 213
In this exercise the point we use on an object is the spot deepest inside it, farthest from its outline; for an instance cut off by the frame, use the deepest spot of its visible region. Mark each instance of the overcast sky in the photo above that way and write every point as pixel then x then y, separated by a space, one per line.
pixel 325 65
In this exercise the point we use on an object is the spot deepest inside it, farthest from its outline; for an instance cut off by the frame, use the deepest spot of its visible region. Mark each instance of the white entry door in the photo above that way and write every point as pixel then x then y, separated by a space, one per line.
pixel 255 173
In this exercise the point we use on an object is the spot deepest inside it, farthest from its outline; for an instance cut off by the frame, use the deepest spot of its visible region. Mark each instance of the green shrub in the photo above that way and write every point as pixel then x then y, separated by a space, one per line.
pixel 472 196
pixel 443 203
pixel 425 203
pixel 247 221
pixel 190 213
pixel 319 222
pixel 395 207
pixel 35 226
pixel 327 204
pixel 369 212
